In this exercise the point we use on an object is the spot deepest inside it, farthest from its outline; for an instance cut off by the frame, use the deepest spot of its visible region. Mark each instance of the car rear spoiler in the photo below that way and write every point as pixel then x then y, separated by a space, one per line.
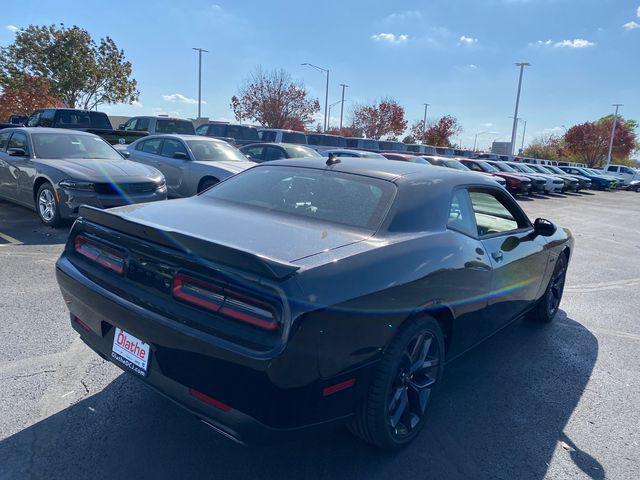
pixel 194 246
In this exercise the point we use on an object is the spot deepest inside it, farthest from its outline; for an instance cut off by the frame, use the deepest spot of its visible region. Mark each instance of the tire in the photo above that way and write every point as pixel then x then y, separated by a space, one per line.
pixel 548 305
pixel 395 407
pixel 205 184
pixel 47 206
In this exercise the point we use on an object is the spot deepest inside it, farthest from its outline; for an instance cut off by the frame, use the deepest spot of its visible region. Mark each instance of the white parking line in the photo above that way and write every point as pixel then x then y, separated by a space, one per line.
pixel 9 239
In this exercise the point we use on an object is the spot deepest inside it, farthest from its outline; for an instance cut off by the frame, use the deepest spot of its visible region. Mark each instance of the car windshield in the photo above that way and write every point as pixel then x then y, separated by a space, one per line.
pixel 555 169
pixel 525 168
pixel 323 195
pixel 488 167
pixel 542 169
pixel 298 151
pixel 294 137
pixel 179 127
pixel 504 167
pixel 372 155
pixel 326 140
pixel 215 151
pixel 455 164
pixel 69 145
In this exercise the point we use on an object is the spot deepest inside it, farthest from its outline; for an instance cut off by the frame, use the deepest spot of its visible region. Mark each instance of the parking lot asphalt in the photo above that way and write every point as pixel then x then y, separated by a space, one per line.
pixel 555 401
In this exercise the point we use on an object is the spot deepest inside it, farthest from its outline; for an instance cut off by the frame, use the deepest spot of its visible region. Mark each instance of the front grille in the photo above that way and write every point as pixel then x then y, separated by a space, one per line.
pixel 541 182
pixel 125 188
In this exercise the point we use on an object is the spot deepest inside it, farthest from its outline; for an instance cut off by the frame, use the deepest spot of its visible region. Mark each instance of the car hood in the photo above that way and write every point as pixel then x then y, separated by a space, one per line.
pixel 95 170
pixel 228 165
pixel 276 236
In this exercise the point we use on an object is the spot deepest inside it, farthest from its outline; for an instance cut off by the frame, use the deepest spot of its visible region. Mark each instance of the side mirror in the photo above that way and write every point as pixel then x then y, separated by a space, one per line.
pixel 544 227
pixel 16 152
pixel 125 153
pixel 121 126
pixel 181 156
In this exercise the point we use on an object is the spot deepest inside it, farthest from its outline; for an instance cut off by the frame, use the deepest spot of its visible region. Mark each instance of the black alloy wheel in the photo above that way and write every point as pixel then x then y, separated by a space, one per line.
pixel 549 304
pixel 396 405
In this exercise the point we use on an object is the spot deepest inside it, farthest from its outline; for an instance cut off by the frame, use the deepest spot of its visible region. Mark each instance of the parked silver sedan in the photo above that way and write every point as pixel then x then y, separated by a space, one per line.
pixel 54 171
pixel 190 163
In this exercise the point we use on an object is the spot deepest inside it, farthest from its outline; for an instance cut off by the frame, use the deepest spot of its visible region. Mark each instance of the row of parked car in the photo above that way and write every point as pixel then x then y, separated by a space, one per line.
pixel 63 159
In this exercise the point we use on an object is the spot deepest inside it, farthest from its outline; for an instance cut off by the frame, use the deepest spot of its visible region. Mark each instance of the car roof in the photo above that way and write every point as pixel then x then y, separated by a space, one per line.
pixel 391 171
pixel 275 144
pixel 262 129
pixel 181 136
pixel 48 130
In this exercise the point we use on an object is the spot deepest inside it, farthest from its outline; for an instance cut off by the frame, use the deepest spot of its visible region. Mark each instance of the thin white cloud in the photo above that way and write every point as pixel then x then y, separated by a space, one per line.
pixel 391 38
pixel 631 25
pixel 464 40
pixel 403 16
pixel 472 66
pixel 136 104
pixel 638 12
pixel 575 43
pixel 178 97
pixel 486 124
pixel 12 28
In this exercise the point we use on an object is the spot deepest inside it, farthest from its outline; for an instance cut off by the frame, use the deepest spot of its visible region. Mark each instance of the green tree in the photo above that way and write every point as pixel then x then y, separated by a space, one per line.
pixel 548 147
pixel 79 72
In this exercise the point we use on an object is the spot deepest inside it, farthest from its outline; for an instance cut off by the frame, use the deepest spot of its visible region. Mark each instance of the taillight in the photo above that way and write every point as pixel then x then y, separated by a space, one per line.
pixel 198 292
pixel 100 253
pixel 224 301
pixel 249 310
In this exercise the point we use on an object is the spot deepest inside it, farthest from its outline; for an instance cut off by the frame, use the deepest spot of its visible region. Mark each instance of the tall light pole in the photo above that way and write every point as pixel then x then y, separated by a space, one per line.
pixel 523 132
pixel 200 50
pixel 613 131
pixel 329 117
pixel 515 115
pixel 424 121
pixel 342 105
pixel 326 91
pixel 475 140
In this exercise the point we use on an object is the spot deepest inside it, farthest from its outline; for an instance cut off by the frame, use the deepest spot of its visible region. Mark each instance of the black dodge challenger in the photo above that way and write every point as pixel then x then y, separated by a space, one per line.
pixel 302 293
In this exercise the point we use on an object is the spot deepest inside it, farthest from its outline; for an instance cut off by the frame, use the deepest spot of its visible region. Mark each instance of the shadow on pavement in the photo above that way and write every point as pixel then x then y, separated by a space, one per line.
pixel 22 225
pixel 500 413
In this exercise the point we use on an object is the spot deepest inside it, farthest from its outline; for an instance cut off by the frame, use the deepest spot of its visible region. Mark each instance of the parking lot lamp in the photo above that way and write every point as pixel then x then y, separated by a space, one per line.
pixel 475 140
pixel 326 91
pixel 613 131
pixel 424 122
pixel 515 115
pixel 342 105
pixel 329 117
pixel 523 132
pixel 200 50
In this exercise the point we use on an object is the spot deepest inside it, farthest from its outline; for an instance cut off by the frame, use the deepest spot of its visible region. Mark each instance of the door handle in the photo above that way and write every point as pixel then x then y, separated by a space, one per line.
pixel 497 256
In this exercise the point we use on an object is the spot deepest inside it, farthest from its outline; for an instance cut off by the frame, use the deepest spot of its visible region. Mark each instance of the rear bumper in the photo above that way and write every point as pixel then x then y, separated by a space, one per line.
pixel 250 405
pixel 71 200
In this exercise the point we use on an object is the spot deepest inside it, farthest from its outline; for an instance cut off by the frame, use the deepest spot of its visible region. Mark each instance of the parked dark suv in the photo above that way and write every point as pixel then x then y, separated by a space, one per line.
pixel 232 133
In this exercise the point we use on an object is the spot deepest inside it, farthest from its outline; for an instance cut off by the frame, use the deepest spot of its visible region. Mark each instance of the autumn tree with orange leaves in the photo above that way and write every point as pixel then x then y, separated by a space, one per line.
pixel 438 133
pixel 379 119
pixel 274 100
pixel 32 95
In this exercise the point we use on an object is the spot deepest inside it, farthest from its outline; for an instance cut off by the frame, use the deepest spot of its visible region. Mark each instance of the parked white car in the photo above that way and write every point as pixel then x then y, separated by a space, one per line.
pixel 624 173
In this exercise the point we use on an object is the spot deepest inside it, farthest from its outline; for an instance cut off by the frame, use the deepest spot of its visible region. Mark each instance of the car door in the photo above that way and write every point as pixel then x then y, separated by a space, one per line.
pixel 176 164
pixel 148 152
pixel 20 169
pixel 518 258
pixel 8 186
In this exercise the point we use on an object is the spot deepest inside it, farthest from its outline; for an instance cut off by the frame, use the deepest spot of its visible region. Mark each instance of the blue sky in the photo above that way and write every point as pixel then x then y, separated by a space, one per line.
pixel 457 55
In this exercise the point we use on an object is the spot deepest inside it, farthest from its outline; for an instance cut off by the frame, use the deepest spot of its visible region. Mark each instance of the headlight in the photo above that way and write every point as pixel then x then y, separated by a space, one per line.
pixel 161 183
pixel 77 185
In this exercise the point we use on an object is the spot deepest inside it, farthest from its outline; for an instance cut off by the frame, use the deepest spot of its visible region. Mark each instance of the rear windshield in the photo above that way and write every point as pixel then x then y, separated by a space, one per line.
pixel 336 197
pixel 455 164
pixel 81 119
pixel 215 151
pixel 395 146
pixel 68 145
pixel 294 137
pixel 180 127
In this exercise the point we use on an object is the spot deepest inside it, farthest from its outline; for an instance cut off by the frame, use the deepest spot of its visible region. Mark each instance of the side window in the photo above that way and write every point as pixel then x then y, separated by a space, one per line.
pixel 131 124
pixel 201 130
pixel 474 166
pixel 626 170
pixel 234 131
pixel 142 125
pixel 254 153
pixel 4 138
pixel 461 217
pixel 267 136
pixel 273 153
pixel 171 146
pixel 491 214
pixel 19 140
pixel 46 119
pixel 34 119
pixel 611 168
pixel 151 146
